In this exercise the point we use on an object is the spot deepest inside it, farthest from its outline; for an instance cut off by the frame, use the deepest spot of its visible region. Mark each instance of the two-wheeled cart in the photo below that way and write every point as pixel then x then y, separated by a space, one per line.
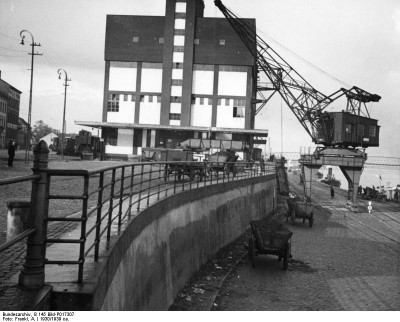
pixel 223 161
pixel 300 209
pixel 180 164
pixel 270 238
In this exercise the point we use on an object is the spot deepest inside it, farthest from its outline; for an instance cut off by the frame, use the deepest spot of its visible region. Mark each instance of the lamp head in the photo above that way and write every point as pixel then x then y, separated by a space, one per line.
pixel 22 40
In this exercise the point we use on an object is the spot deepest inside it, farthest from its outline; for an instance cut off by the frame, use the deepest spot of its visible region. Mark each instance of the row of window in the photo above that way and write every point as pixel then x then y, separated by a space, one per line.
pixel 178 32
pixel 361 129
pixel 3 107
pixel 2 121
pixel 113 99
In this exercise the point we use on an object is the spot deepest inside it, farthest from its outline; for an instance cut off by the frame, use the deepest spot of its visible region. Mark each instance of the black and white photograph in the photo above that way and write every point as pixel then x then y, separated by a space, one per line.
pixel 199 156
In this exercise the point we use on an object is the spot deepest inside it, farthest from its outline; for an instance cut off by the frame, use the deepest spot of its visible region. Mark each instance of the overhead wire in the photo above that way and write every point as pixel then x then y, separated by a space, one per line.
pixel 259 31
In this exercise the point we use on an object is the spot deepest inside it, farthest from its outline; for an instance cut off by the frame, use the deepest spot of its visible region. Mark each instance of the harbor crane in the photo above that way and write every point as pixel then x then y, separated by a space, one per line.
pixel 341 137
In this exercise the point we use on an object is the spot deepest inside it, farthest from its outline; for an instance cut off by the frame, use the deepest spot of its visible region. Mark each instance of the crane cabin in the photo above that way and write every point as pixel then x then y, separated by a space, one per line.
pixel 346 129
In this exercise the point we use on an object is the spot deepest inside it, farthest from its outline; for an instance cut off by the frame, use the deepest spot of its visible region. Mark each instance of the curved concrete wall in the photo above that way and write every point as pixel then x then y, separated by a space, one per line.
pixel 168 242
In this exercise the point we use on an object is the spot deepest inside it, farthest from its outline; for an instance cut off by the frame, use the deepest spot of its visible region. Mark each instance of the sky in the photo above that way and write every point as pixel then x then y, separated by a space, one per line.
pixel 354 43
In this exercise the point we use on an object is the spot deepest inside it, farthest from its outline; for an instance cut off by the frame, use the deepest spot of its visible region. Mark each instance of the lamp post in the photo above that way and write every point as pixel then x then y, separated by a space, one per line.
pixel 66 80
pixel 33 45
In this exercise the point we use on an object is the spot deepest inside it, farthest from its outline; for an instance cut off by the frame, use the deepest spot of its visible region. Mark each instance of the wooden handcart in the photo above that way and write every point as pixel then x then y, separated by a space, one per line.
pixel 180 164
pixel 223 161
pixel 270 238
pixel 300 209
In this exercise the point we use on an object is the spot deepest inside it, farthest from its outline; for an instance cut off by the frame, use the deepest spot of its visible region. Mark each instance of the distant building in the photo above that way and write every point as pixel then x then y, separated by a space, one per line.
pixel 9 113
pixel 172 78
pixel 23 127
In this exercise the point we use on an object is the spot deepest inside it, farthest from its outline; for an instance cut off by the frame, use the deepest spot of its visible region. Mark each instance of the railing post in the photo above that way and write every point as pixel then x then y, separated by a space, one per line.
pixel 32 275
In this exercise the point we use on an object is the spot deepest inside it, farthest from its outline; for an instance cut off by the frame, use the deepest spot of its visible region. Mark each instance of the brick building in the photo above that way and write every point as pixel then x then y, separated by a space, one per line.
pixel 9 113
pixel 172 78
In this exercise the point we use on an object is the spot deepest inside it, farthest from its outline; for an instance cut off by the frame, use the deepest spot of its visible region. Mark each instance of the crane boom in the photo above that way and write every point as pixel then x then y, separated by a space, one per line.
pixel 306 102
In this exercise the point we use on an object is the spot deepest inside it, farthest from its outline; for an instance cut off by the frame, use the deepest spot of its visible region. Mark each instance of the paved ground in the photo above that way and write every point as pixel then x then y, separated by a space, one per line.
pixel 13 257
pixel 346 261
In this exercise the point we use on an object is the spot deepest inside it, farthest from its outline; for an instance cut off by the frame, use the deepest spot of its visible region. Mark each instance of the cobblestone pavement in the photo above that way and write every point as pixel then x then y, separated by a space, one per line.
pixel 346 261
pixel 12 258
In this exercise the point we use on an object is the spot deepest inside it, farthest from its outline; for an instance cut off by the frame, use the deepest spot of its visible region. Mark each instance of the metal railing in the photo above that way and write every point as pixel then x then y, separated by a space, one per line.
pixel 110 196
pixel 22 235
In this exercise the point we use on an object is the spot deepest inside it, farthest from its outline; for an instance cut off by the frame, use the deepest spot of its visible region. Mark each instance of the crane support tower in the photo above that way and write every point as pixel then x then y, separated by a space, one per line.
pixel 341 137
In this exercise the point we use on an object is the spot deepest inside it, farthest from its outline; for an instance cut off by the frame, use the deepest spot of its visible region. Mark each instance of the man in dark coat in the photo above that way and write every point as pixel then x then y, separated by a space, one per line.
pixel 11 153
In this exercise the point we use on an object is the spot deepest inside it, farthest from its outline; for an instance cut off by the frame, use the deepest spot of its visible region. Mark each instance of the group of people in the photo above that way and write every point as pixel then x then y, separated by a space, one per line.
pixel 11 153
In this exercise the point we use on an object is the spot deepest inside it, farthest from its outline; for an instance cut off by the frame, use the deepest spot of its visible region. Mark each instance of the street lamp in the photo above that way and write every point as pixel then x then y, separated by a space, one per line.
pixel 66 80
pixel 33 44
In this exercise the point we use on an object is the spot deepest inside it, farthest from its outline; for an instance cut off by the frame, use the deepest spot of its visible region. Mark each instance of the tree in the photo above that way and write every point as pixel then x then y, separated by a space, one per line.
pixel 41 129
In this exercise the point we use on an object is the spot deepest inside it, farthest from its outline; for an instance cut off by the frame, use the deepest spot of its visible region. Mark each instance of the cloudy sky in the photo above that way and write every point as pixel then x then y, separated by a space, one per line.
pixel 354 43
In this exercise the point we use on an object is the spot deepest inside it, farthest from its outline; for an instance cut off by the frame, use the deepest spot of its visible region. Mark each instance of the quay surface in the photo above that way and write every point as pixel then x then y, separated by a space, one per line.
pixel 346 262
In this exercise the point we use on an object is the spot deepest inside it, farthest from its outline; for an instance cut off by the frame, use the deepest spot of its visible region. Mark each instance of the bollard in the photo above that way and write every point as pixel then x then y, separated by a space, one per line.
pixel 17 218
pixel 32 274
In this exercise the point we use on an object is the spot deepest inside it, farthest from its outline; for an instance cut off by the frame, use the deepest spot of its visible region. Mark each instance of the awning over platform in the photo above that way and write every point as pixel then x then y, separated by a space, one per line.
pixel 255 132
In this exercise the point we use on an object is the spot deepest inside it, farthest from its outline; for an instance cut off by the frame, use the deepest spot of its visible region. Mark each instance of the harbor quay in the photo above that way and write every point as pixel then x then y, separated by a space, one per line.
pixel 345 262
pixel 350 260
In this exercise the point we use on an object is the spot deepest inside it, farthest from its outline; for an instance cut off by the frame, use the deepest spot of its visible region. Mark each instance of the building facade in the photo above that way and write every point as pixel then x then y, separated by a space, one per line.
pixel 172 78
pixel 9 113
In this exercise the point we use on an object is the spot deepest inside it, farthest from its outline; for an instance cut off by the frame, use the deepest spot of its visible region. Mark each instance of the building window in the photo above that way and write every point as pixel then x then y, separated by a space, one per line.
pixel 161 40
pixel 219 101
pixel 142 98
pixel 348 128
pixel 180 6
pixel 210 101
pixel 113 103
pixel 135 39
pixel 174 116
pixel 229 68
pixel 150 99
pixel 238 111
pixel 158 99
pixel 372 131
pixel 201 100
pixel 133 98
pixel 239 102
pixel 360 130
pixel 196 41
pixel 222 42
pixel 125 97
pixel 227 102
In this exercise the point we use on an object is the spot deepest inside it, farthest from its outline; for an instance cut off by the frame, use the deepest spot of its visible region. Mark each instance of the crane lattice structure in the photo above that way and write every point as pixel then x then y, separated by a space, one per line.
pixel 308 105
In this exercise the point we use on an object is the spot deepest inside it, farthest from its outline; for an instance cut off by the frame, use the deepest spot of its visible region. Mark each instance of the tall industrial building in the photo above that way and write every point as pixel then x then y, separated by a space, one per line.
pixel 172 78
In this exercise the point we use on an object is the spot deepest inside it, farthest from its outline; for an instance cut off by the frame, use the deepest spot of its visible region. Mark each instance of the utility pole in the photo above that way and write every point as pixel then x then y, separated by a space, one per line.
pixel 66 80
pixel 33 54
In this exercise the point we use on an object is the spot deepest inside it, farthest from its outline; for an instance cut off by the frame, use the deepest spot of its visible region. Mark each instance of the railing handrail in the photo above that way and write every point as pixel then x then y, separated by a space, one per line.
pixel 132 184
pixel 4 182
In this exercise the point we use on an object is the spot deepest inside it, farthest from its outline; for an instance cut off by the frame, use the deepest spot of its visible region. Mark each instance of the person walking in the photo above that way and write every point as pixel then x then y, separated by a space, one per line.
pixel 11 153
pixel 332 192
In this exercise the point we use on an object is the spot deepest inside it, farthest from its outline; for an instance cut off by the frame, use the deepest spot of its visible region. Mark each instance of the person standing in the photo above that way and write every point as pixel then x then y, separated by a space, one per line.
pixel 332 192
pixel 11 153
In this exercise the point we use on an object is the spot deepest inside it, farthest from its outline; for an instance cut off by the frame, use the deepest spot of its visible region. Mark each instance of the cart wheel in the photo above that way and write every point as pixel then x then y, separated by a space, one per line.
pixel 286 258
pixel 293 217
pixel 311 220
pixel 252 254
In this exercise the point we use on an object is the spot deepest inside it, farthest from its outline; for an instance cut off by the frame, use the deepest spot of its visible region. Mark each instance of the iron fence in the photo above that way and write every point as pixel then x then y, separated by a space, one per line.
pixel 110 196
